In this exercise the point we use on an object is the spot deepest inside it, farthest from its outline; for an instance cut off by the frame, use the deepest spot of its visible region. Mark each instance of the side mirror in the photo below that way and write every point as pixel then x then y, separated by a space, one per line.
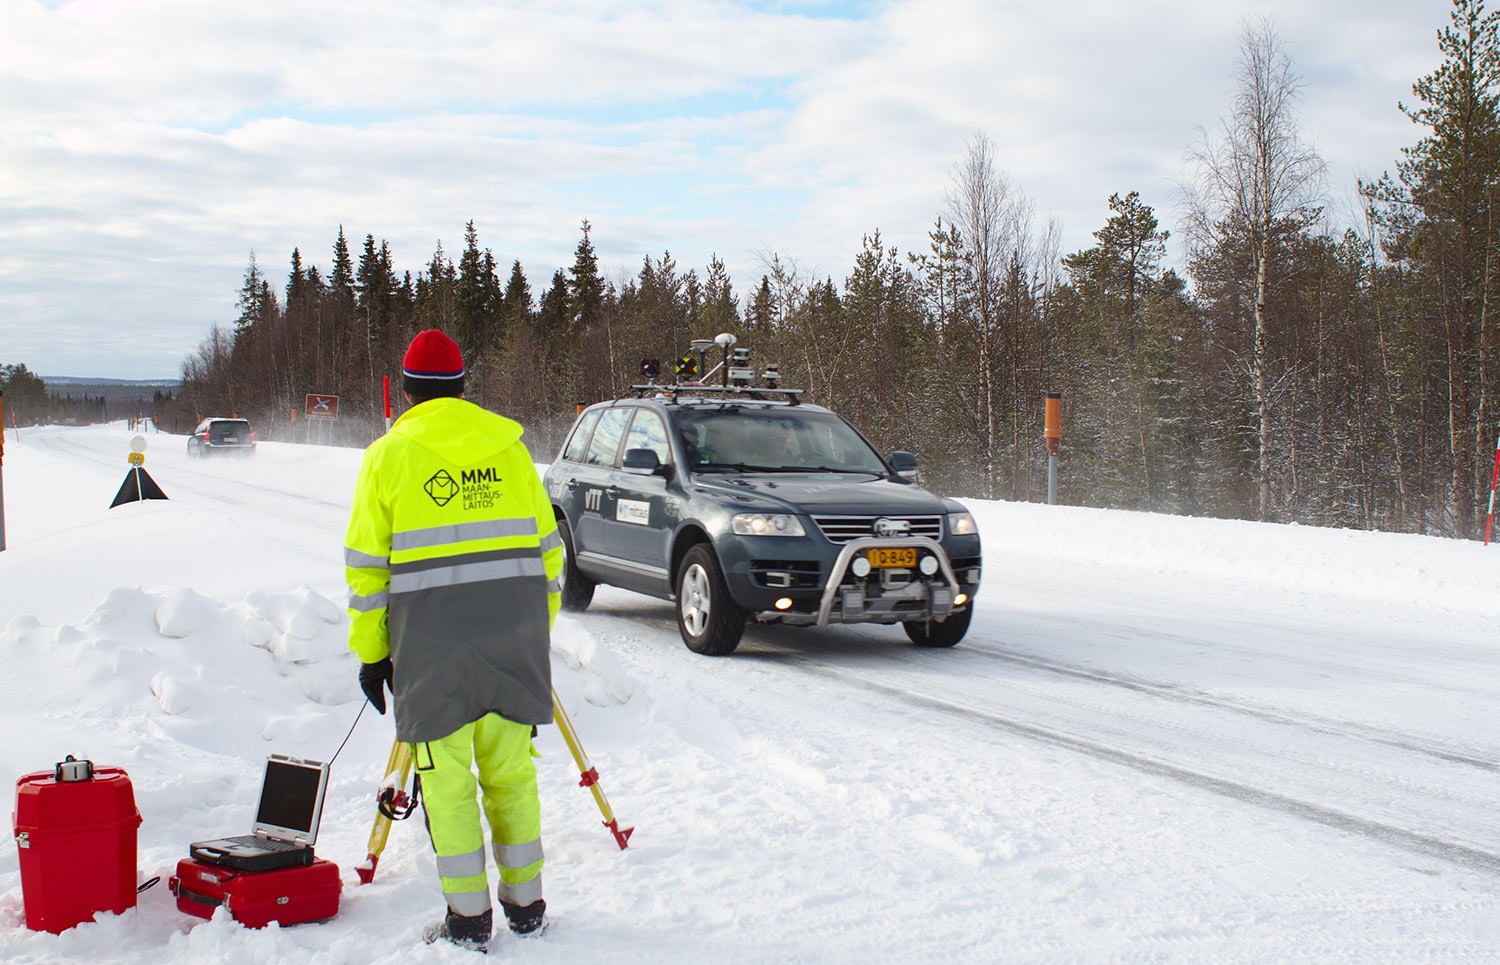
pixel 644 462
pixel 904 464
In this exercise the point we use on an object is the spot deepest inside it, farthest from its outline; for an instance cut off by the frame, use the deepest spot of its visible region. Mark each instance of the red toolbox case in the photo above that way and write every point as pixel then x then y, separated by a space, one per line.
pixel 75 830
pixel 288 896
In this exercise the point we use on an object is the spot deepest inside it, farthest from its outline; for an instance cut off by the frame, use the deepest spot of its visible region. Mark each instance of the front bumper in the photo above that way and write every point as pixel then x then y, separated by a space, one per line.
pixel 883 596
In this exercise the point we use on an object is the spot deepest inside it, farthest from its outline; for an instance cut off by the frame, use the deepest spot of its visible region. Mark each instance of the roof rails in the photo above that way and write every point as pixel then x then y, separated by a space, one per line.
pixel 734 371
pixel 757 393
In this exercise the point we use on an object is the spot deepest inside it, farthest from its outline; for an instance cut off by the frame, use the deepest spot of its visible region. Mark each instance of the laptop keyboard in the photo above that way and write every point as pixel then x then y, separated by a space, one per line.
pixel 266 844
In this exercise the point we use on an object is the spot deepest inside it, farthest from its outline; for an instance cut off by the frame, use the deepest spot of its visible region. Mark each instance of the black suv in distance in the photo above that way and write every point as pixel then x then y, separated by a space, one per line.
pixel 743 504
pixel 224 436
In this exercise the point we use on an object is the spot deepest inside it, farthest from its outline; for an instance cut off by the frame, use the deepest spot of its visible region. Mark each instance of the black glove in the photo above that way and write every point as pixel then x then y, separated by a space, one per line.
pixel 375 680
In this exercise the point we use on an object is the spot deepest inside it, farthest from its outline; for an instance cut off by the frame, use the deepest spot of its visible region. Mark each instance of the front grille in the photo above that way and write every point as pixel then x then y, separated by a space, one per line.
pixel 842 529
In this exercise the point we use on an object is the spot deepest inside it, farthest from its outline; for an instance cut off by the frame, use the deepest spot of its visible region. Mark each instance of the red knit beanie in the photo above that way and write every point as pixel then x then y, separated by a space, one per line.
pixel 433 366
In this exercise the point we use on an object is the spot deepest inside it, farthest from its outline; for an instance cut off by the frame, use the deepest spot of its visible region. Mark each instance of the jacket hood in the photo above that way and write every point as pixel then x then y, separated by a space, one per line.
pixel 458 431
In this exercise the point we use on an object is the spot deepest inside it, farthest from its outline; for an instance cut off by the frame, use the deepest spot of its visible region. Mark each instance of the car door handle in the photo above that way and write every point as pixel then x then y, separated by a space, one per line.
pixel 572 484
pixel 613 492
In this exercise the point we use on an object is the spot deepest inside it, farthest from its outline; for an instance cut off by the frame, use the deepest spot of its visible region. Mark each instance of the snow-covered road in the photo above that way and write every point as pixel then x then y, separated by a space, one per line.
pixel 1162 738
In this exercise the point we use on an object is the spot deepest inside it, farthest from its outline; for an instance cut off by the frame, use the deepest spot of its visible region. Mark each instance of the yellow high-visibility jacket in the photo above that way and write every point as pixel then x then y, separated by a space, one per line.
pixel 452 558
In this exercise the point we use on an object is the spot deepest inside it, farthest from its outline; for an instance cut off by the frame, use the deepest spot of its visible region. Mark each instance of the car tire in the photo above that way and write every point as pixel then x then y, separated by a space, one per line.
pixel 192 447
pixel 577 589
pixel 931 633
pixel 710 622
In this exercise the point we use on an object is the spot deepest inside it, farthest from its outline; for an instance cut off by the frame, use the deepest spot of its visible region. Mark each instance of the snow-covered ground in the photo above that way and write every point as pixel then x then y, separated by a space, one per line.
pixel 1163 739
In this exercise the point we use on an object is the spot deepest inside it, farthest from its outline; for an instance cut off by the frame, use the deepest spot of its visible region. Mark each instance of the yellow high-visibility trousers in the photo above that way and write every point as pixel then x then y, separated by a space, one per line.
pixel 506 784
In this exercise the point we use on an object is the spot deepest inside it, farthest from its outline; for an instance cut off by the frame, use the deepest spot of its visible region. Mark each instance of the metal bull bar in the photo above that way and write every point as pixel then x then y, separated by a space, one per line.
pixel 937 606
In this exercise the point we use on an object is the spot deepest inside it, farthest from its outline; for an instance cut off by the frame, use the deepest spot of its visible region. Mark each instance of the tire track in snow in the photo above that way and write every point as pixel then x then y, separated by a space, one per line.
pixel 1311 722
pixel 1476 859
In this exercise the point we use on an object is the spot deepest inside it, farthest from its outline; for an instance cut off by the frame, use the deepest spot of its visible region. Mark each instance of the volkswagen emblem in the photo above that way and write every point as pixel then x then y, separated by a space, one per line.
pixel 885 526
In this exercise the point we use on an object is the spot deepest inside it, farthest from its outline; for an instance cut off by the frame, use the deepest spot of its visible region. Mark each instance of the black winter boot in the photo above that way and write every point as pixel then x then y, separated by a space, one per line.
pixel 526 919
pixel 465 931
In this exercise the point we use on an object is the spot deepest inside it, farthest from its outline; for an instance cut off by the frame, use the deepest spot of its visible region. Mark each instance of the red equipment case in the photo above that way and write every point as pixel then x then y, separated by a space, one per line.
pixel 288 896
pixel 75 828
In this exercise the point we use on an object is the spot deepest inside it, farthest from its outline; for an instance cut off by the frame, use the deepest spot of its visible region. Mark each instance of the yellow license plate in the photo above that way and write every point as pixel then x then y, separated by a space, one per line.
pixel 900 557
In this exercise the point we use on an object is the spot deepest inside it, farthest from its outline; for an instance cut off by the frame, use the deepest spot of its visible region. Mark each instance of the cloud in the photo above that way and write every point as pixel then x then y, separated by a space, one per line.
pixel 151 145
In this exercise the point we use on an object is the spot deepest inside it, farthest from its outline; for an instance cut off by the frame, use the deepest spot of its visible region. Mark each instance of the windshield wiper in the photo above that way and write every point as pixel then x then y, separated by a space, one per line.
pixel 747 467
pixel 742 467
pixel 862 472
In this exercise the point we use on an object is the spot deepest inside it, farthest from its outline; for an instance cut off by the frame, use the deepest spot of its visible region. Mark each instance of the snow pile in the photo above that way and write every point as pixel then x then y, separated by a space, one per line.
pixel 1163 739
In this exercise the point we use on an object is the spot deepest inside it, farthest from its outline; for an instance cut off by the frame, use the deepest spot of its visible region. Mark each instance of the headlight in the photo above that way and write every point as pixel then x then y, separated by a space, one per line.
pixel 767 524
pixel 962 524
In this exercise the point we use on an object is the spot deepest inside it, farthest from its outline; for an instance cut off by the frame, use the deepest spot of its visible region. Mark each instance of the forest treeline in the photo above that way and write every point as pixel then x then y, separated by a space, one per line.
pixel 1311 372
pixel 29 401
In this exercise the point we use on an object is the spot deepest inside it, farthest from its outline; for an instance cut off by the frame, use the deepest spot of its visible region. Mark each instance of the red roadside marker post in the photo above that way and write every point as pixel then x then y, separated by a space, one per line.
pixel 1488 523
pixel 2 469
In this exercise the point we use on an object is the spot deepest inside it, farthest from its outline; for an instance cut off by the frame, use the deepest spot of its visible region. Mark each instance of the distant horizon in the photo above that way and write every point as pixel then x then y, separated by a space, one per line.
pixel 106 380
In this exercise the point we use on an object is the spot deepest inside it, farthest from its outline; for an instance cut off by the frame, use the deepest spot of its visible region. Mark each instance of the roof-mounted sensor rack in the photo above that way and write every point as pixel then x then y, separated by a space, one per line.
pixel 736 375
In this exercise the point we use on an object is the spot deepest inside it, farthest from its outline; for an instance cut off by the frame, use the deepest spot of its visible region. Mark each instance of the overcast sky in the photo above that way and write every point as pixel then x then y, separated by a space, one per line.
pixel 148 147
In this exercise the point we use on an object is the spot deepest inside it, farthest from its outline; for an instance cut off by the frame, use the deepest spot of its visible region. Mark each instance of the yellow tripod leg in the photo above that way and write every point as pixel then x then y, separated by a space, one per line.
pixel 589 776
pixel 397 767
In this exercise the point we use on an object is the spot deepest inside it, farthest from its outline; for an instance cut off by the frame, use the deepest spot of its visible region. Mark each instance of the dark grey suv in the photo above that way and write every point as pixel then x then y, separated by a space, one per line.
pixel 223 436
pixel 740 505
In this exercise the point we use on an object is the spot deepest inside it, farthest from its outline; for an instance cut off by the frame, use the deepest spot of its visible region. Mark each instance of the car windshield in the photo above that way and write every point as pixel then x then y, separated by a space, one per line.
pixel 750 439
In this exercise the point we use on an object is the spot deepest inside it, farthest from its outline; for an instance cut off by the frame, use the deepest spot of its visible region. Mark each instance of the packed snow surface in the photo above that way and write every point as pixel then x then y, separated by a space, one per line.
pixel 1163 739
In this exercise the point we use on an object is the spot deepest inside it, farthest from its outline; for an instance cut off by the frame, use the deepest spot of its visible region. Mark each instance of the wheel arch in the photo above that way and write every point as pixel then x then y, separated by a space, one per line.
pixel 687 537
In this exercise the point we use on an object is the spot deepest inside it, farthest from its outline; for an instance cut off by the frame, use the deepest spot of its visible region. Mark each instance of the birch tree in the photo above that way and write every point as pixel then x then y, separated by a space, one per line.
pixel 1255 177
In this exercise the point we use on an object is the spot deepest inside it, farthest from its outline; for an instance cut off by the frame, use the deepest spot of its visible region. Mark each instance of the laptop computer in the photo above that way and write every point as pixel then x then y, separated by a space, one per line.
pixel 286 820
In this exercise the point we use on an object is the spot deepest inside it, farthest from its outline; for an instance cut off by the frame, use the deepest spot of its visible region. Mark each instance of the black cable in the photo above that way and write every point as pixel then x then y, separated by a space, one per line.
pixel 350 734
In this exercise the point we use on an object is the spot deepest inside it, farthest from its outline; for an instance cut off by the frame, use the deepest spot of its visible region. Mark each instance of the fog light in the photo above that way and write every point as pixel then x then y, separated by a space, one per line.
pixel 860 567
pixel 961 599
pixel 929 565
pixel 785 603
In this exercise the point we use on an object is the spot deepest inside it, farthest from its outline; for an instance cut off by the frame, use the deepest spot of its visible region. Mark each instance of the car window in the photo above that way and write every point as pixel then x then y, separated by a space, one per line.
pixel 775 439
pixel 578 445
pixel 228 429
pixel 649 432
pixel 606 441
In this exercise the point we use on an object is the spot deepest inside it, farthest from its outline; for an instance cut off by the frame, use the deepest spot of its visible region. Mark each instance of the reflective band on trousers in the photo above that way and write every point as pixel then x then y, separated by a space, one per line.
pixel 364 604
pixel 522 894
pixel 479 572
pixel 469 903
pixel 518 855
pixel 462 532
pixel 363 561
pixel 461 865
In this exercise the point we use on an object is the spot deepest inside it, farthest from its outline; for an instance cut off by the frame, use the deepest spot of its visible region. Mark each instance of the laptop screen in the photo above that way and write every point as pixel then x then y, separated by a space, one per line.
pixel 291 799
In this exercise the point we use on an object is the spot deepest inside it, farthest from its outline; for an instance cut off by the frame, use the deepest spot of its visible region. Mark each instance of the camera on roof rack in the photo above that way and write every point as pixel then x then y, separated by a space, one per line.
pixel 731 374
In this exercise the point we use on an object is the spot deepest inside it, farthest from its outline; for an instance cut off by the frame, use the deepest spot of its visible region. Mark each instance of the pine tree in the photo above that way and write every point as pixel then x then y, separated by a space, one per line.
pixel 585 286
pixel 720 311
pixel 1449 185
pixel 471 306
pixel 760 313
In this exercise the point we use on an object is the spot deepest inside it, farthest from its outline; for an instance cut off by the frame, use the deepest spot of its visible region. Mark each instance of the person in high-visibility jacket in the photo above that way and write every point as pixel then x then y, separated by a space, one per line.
pixel 453 558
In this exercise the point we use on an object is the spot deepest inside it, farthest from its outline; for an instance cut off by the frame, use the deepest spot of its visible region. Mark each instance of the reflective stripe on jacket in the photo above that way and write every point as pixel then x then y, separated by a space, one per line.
pixel 452 558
